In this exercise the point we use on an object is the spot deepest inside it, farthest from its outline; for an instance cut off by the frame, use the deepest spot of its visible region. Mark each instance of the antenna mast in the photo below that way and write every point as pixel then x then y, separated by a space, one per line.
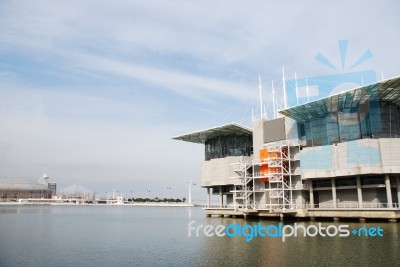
pixel 273 99
pixel 284 88
pixel 297 92
pixel 260 91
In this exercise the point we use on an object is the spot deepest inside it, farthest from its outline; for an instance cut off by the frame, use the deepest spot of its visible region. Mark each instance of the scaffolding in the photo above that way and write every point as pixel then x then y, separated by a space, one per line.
pixel 276 168
pixel 243 193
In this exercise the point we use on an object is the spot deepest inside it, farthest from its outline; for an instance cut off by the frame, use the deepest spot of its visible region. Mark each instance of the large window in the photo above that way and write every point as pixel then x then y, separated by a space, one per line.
pixel 375 120
pixel 230 145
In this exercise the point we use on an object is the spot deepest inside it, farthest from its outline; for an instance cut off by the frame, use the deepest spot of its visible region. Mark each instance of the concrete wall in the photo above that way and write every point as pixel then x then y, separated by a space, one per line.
pixel 229 199
pixel 325 196
pixel 258 137
pixel 365 156
pixel 291 129
pixel 217 172
pixel 374 195
pixel 347 196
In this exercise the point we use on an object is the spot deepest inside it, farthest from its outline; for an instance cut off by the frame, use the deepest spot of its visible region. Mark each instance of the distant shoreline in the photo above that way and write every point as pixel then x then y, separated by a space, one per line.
pixel 90 204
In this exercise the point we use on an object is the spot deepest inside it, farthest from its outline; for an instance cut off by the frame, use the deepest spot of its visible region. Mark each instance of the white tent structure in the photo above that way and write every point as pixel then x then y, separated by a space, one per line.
pixel 77 191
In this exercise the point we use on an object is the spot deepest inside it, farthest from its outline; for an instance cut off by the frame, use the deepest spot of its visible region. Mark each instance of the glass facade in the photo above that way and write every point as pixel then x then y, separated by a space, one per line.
pixel 376 119
pixel 230 145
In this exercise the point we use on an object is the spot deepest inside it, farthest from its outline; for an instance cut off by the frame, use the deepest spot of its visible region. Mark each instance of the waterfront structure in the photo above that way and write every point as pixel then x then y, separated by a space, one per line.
pixel 338 156
pixel 44 180
pixel 14 189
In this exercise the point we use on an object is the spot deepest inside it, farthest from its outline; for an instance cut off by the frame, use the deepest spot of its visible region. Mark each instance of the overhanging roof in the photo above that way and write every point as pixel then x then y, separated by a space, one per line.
pixel 201 136
pixel 385 90
pixel 20 184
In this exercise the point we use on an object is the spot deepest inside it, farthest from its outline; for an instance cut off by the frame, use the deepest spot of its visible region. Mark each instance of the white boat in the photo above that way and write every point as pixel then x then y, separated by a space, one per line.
pixel 120 201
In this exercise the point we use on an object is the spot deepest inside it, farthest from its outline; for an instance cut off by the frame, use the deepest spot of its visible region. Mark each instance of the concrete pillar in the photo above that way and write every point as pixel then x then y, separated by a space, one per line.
pixel 221 198
pixel 359 192
pixel 310 185
pixel 398 190
pixel 208 197
pixel 388 190
pixel 334 198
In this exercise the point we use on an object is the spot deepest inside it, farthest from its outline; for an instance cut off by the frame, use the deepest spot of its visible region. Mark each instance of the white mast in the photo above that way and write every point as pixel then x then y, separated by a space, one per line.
pixel 265 113
pixel 308 94
pixel 190 192
pixel 273 99
pixel 284 88
pixel 260 92
pixel 297 92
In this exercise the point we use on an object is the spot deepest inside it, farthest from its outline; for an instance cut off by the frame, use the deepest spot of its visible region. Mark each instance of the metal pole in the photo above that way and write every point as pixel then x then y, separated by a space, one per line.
pixel 190 192
pixel 260 92
pixel 297 92
pixel 273 99
pixel 284 88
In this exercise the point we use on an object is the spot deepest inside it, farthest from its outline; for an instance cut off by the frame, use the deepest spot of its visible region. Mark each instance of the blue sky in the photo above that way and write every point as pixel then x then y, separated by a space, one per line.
pixel 95 90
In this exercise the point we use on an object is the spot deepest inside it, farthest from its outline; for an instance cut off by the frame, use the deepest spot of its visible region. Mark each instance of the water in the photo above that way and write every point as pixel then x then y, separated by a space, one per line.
pixel 158 236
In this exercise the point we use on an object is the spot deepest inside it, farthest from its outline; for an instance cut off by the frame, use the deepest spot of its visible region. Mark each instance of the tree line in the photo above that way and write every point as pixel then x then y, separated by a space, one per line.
pixel 156 199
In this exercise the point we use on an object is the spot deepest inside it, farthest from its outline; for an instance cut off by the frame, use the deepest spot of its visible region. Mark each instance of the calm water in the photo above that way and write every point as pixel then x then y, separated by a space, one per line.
pixel 158 236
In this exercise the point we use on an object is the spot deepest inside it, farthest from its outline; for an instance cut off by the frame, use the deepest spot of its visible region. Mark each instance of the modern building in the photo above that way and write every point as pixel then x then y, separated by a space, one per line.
pixel 44 180
pixel 14 189
pixel 337 157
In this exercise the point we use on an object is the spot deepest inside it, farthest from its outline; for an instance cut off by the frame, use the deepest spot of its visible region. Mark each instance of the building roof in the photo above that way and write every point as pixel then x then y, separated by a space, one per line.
pixel 385 90
pixel 20 184
pixel 201 136
pixel 76 189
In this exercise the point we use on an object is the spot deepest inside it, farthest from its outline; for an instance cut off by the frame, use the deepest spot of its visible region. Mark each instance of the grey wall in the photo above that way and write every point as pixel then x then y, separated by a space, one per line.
pixel 217 172
pixel 274 130
pixel 258 137
pixel 365 156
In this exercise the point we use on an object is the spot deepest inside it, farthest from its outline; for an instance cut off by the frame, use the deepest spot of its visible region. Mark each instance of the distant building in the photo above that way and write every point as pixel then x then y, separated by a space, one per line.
pixel 77 191
pixel 44 180
pixel 335 157
pixel 14 189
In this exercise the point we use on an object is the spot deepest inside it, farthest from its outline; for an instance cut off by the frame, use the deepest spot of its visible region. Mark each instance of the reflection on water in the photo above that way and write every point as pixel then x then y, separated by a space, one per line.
pixel 148 236
pixel 305 251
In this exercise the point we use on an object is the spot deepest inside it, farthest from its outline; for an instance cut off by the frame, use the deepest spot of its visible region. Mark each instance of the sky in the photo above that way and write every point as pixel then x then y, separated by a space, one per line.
pixel 93 91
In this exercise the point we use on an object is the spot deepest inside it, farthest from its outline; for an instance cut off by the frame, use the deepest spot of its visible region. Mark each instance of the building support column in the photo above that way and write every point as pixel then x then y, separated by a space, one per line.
pixel 221 198
pixel 359 192
pixel 334 199
pixel 310 186
pixel 208 197
pixel 398 190
pixel 388 191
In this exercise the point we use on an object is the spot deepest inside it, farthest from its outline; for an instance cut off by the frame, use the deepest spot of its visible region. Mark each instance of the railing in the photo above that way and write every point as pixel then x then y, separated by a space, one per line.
pixel 330 206
pixel 211 206
pixel 306 206
pixel 354 206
